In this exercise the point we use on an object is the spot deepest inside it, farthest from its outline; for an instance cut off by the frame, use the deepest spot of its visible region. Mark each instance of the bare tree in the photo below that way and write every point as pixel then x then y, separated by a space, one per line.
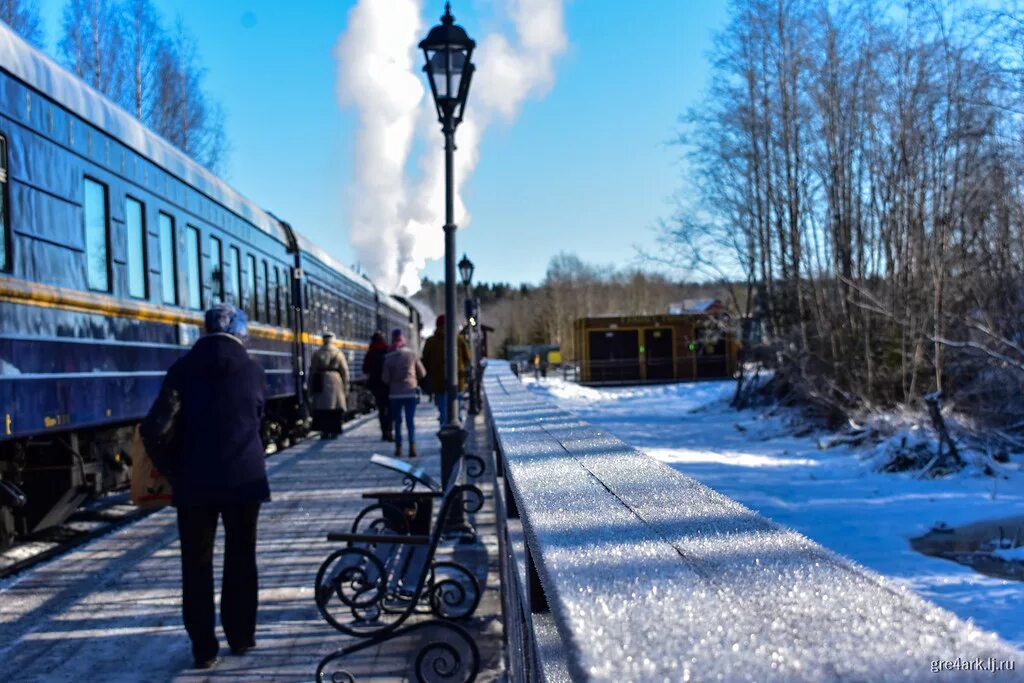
pixel 123 50
pixel 93 46
pixel 183 113
pixel 858 165
pixel 144 41
pixel 23 17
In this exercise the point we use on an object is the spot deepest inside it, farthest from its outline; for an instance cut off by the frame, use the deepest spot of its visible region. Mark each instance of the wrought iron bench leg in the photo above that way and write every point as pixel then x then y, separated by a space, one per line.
pixel 436 660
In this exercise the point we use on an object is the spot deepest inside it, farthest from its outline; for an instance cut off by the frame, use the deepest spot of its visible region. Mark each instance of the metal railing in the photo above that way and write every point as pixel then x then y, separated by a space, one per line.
pixel 617 568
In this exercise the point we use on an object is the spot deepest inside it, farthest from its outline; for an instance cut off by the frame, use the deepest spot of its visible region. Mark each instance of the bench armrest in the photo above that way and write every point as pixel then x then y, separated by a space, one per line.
pixel 402 495
pixel 396 539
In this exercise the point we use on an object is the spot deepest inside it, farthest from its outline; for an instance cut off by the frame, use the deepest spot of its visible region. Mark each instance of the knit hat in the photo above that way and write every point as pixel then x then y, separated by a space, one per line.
pixel 227 318
pixel 397 338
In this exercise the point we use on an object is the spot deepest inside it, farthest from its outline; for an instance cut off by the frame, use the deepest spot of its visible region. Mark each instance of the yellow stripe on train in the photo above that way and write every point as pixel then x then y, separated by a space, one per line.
pixel 48 296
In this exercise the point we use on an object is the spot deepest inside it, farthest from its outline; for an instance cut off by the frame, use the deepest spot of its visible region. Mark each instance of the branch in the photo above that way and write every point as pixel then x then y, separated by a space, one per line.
pixel 1001 357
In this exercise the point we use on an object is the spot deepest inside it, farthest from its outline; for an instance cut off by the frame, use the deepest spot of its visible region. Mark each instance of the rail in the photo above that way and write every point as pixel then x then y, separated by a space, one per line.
pixel 618 568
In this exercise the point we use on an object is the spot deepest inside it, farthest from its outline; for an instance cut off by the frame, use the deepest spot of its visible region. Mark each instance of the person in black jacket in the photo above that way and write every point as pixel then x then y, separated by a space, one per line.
pixel 373 366
pixel 219 471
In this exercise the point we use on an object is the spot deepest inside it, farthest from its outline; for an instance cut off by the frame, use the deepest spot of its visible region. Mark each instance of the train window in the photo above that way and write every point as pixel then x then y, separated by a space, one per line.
pixel 5 249
pixel 193 271
pixel 277 295
pixel 135 241
pixel 233 274
pixel 168 260
pixel 217 269
pixel 254 292
pixel 97 239
pixel 329 320
pixel 266 292
pixel 318 309
pixel 288 284
pixel 314 309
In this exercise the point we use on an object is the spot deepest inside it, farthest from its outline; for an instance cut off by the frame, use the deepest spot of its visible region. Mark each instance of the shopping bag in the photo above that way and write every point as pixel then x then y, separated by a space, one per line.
pixel 150 488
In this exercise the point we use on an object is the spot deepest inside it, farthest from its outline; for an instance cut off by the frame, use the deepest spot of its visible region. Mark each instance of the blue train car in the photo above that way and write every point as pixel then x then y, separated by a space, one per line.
pixel 112 243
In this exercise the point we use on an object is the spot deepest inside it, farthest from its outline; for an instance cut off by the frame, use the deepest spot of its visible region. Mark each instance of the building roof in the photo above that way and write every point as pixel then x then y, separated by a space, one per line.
pixel 695 306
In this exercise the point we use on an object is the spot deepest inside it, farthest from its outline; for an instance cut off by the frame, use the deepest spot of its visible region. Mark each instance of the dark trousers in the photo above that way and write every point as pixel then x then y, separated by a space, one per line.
pixel 441 399
pixel 197 527
pixel 383 411
pixel 328 422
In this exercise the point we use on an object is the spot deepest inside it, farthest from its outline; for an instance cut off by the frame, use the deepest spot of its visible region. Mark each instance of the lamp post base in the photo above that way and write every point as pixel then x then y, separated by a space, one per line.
pixel 453 446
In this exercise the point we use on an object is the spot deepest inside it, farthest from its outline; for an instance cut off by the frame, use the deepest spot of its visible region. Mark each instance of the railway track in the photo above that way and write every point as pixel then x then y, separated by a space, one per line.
pixel 94 519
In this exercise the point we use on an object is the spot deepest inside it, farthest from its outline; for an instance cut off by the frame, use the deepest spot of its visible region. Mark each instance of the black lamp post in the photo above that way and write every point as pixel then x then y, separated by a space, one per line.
pixel 448 51
pixel 466 269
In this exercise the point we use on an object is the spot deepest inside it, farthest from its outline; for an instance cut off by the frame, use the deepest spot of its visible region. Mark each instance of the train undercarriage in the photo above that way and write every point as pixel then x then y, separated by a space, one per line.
pixel 44 479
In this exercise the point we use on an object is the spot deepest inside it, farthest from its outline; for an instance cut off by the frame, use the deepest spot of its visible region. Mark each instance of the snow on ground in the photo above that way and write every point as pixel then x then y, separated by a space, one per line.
pixel 833 496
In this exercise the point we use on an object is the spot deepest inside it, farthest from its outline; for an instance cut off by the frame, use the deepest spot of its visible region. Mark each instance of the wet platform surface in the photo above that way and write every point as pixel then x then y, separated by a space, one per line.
pixel 111 610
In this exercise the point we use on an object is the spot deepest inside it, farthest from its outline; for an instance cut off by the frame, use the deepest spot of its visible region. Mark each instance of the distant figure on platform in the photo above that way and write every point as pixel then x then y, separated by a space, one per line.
pixel 218 470
pixel 536 366
pixel 329 373
pixel 402 372
pixel 433 359
pixel 373 367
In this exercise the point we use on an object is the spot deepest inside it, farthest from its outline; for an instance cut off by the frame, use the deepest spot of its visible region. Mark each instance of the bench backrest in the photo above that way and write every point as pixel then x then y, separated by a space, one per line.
pixel 415 475
pixel 651 576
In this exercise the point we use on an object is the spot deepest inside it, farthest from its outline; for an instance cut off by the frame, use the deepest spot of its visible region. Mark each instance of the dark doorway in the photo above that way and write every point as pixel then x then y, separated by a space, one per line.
pixel 614 356
pixel 659 354
pixel 711 354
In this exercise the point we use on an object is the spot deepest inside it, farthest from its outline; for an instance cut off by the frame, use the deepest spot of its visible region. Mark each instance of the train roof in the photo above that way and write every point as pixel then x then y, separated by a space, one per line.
pixel 28 64
pixel 323 257
pixel 395 304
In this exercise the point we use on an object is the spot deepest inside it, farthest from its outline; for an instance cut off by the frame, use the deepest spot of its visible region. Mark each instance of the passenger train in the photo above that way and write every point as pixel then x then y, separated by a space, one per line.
pixel 112 243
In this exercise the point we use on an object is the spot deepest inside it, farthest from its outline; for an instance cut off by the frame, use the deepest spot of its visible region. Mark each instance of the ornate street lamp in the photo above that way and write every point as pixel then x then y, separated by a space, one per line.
pixel 448 51
pixel 466 269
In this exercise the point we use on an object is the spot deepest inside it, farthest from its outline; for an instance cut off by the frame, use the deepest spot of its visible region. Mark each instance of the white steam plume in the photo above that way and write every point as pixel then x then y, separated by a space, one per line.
pixel 396 227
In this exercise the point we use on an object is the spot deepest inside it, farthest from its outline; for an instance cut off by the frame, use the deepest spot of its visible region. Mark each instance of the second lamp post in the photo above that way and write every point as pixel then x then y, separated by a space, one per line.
pixel 473 376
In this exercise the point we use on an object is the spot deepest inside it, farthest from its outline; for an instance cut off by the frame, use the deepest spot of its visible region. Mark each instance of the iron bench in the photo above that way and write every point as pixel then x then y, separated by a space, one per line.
pixel 385 574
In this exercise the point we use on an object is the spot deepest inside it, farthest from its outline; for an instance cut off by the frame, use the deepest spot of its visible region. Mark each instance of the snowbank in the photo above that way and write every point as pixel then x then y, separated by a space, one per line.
pixel 835 496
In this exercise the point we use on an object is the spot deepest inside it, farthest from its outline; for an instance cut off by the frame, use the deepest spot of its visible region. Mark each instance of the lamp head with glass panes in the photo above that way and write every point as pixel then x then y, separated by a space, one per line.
pixel 448 51
pixel 466 269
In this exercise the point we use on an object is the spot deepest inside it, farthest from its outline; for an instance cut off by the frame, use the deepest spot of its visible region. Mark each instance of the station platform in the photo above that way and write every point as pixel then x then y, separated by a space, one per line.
pixel 110 610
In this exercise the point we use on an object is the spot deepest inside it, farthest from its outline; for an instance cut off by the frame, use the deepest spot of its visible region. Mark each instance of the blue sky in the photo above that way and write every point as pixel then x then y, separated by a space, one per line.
pixel 588 169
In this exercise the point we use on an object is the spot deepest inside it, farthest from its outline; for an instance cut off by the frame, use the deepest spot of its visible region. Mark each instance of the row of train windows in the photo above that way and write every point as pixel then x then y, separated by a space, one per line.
pixel 271 305
pixel 329 312
pixel 229 283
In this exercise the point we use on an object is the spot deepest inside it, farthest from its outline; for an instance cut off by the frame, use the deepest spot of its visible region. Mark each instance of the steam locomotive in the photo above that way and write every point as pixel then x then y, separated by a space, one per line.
pixel 112 243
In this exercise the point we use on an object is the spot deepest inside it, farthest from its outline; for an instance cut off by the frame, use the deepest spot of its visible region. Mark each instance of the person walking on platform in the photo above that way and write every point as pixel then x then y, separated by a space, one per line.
pixel 433 359
pixel 329 373
pixel 402 372
pixel 218 470
pixel 373 366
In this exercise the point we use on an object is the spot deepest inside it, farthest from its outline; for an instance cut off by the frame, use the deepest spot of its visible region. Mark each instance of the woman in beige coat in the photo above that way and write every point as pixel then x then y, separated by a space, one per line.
pixel 328 372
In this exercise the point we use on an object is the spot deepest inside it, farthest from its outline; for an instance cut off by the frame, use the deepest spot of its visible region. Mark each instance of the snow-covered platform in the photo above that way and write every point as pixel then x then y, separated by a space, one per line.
pixel 650 576
pixel 111 610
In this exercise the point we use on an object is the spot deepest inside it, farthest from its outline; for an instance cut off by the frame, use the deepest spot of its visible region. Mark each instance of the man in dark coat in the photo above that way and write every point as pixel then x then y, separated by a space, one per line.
pixel 373 367
pixel 219 471
pixel 434 360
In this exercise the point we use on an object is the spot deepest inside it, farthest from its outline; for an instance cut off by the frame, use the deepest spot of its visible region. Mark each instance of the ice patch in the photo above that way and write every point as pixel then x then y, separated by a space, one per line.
pixel 672 456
